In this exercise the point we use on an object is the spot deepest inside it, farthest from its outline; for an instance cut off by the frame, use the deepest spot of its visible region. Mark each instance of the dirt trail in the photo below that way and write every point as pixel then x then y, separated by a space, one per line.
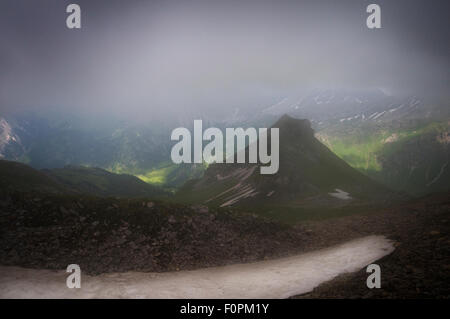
pixel 279 278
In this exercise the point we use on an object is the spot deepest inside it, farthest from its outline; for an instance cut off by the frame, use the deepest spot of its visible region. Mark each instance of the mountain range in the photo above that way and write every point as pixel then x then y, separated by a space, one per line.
pixel 402 142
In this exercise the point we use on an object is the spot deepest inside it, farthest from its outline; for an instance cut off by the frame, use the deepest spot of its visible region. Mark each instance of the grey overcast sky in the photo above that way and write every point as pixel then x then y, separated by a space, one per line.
pixel 147 57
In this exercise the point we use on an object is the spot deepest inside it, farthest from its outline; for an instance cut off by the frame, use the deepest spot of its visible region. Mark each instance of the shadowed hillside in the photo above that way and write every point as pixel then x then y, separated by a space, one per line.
pixel 97 181
pixel 17 176
pixel 74 180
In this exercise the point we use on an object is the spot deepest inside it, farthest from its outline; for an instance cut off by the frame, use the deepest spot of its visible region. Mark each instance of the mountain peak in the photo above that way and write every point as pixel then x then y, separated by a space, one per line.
pixel 309 175
pixel 295 126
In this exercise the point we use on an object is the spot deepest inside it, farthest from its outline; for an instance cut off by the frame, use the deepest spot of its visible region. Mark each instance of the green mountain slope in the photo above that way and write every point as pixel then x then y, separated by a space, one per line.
pixel 99 182
pixel 408 156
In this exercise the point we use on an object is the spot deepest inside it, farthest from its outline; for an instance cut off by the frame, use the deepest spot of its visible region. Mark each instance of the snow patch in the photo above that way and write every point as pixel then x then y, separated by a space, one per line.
pixel 340 194
pixel 378 115
pixel 279 278
pixel 438 175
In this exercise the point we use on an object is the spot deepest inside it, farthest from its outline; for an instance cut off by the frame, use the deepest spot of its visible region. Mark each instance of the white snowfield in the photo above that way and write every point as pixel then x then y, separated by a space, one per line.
pixel 279 278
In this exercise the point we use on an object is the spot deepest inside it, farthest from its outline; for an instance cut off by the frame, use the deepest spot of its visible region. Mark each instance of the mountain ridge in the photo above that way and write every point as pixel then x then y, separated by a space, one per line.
pixel 74 179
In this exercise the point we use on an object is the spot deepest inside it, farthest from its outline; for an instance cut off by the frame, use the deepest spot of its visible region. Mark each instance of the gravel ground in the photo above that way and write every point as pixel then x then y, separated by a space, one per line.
pixel 105 235
pixel 420 265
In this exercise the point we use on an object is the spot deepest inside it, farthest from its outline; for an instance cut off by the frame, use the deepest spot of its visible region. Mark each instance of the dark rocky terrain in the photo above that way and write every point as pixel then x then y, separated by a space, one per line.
pixel 116 235
pixel 420 265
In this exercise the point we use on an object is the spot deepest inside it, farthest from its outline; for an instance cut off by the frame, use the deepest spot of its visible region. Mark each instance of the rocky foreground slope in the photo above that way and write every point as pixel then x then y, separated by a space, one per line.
pixel 115 235
pixel 419 267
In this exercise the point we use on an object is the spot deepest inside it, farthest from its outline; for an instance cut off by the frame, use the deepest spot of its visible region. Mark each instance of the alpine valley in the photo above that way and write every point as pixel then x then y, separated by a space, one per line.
pixel 401 142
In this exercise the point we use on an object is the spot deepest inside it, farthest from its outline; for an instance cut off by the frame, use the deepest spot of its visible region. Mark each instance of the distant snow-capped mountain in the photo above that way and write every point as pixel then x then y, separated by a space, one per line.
pixel 10 143
pixel 324 107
